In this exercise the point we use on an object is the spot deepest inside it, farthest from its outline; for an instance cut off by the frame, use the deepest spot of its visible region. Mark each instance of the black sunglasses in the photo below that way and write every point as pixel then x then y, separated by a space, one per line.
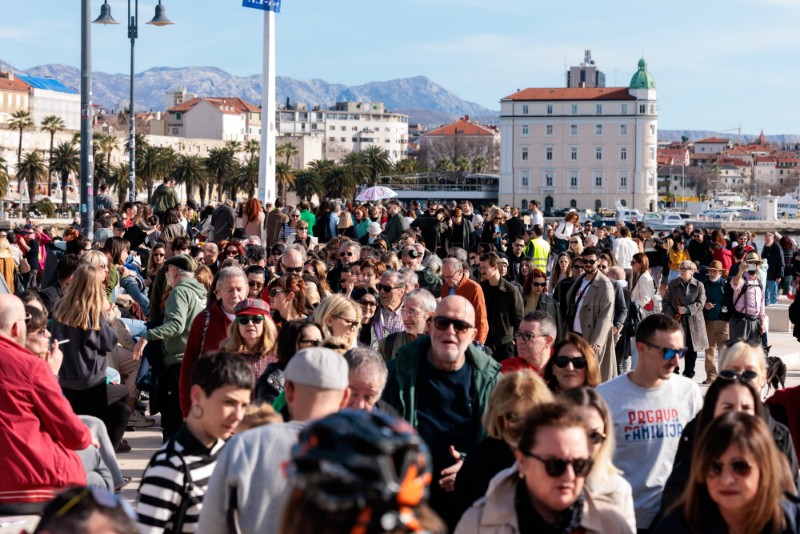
pixel 385 288
pixel 555 467
pixel 741 376
pixel 740 468
pixel 563 361
pixel 274 292
pixel 443 323
pixel 365 302
pixel 292 269
pixel 245 319
pixel 254 283
pixel 539 284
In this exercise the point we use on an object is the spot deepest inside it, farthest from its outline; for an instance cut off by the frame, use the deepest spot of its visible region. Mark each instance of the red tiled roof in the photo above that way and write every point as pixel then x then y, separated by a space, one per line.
pixel 764 159
pixel 715 140
pixel 236 104
pixel 463 127
pixel 12 85
pixel 665 160
pixel 572 93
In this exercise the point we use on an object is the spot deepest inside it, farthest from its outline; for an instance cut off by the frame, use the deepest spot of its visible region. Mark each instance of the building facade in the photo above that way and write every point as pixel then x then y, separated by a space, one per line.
pixel 225 118
pixel 581 147
pixel 14 95
pixel 51 97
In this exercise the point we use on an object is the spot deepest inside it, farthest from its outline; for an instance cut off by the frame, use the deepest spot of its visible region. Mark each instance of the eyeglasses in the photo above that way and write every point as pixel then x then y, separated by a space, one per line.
pixel 276 253
pixel 254 283
pixel 740 468
pixel 101 497
pixel 229 251
pixel 555 467
pixel 741 376
pixel 539 284
pixel 634 261
pixel 412 312
pixel 42 332
pixel 309 342
pixel 668 353
pixel 385 288
pixel 347 254
pixel 292 269
pixel 589 262
pixel 274 292
pixel 602 267
pixel 563 361
pixel 366 302
pixel 302 228
pixel 443 323
pixel 157 255
pixel 351 323
pixel 596 437
pixel 527 336
pixel 245 319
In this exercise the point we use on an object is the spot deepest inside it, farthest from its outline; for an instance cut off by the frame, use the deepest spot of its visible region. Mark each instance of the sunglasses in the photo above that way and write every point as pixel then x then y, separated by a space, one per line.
pixel 276 253
pixel 385 288
pixel 589 262
pixel 578 363
pixel 527 336
pixel 365 302
pixel 231 251
pixel 292 269
pixel 351 323
pixel 596 437
pixel 347 254
pixel 668 353
pixel 245 319
pixel 310 342
pixel 156 255
pixel 443 323
pixel 740 468
pixel 253 283
pixel 274 292
pixel 555 467
pixel 741 376
pixel 573 242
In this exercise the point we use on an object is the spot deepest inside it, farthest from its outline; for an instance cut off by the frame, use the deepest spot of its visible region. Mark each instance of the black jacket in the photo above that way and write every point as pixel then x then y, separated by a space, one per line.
pixel 504 310
pixel 774 257
pixel 483 462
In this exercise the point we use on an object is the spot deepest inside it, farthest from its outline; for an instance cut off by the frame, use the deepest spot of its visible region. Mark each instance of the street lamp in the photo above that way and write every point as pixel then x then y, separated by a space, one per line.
pixel 160 19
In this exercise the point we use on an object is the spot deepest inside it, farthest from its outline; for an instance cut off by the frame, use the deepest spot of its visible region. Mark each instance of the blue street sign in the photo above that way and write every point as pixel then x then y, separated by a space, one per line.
pixel 263 5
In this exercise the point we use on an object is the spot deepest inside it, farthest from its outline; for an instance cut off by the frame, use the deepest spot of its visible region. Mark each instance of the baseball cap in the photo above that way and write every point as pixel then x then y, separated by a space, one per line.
pixel 318 367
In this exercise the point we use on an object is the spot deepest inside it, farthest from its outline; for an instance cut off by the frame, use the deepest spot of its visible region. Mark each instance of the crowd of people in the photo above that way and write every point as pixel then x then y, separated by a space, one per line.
pixel 386 368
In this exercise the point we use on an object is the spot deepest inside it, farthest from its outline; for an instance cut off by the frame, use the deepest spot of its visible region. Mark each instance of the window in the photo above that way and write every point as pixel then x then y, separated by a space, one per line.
pixel 651 179
pixel 598 153
pixel 623 180
pixel 355 128
pixel 598 109
pixel 343 139
pixel 652 129
pixel 524 154
pixel 548 153
pixel 333 128
pixel 598 180
pixel 548 129
pixel 573 179
pixel 344 128
pixel 574 109
pixel 332 139
pixel 598 129
pixel 624 109
pixel 573 153
pixel 642 108
pixel 548 178
pixel 549 109
pixel 524 179
pixel 178 115
pixel 525 109
pixel 573 129
pixel 652 109
pixel 623 129
pixel 174 131
pixel 524 129
pixel 651 153
pixel 623 153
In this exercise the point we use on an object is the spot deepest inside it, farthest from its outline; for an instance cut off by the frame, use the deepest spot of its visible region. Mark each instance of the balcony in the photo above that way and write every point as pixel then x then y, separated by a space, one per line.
pixel 448 185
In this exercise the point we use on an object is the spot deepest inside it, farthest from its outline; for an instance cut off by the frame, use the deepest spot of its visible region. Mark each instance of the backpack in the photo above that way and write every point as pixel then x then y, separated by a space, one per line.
pixel 636 315
pixel 728 304
pixel 322 228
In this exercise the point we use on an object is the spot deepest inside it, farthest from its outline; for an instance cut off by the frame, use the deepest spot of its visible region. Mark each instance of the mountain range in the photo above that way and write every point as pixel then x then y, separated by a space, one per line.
pixel 419 97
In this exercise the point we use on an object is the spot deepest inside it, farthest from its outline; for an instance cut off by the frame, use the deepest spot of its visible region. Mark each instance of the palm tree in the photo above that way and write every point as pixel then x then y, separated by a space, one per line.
pixel 479 164
pixel 339 183
pixel 156 162
pixel 119 179
pixel 4 177
pixel 234 146
pixel 247 179
pixel 321 166
pixel 462 164
pixel 52 124
pixel 221 163
pixel 190 171
pixel 33 169
pixel 284 178
pixel 141 145
pixel 20 120
pixel 444 165
pixel 378 161
pixel 357 165
pixel 307 184
pixel 286 150
pixel 252 147
pixel 65 160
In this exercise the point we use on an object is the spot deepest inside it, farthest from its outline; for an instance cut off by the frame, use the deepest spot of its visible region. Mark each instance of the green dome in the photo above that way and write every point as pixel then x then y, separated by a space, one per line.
pixel 642 79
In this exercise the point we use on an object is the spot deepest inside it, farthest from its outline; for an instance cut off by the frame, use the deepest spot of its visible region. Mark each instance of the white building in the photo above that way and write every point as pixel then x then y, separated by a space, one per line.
pixel 712 145
pixel 347 127
pixel 581 147
pixel 226 118
pixel 51 97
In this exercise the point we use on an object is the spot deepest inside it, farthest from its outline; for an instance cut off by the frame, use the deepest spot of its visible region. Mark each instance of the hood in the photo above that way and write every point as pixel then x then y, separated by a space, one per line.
pixel 192 285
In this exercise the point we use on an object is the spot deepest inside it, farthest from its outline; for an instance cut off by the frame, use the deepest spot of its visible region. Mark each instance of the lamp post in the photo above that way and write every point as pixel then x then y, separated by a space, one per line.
pixel 160 19
pixel 87 179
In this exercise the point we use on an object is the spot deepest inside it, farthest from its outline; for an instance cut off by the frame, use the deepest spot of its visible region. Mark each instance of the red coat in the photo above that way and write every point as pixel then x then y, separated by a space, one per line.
pixel 40 432
pixel 217 332
pixel 473 292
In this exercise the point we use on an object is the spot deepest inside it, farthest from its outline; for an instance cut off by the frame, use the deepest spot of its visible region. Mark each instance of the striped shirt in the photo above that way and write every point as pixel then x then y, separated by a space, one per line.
pixel 162 489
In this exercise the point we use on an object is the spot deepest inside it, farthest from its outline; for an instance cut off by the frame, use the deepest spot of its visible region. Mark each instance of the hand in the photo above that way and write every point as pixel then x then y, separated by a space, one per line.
pixel 596 348
pixel 682 310
pixel 95 443
pixel 139 348
pixel 55 358
pixel 448 480
pixel 709 306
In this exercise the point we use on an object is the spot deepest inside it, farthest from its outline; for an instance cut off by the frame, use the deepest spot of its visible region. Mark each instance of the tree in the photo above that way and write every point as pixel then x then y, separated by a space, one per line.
pixel 247 179
pixel 190 171
pixel 221 163
pixel 32 169
pixel 284 178
pixel 252 147
pixel 286 150
pixel 155 164
pixel 378 161
pixel 479 164
pixel 357 165
pixel 339 183
pixel 141 145
pixel 307 184
pixel 20 120
pixel 119 179
pixel 52 124
pixel 4 177
pixel 234 146
pixel 66 160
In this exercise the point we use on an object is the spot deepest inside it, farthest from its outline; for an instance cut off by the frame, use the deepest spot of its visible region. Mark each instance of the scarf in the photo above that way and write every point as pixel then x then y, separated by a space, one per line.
pixel 530 522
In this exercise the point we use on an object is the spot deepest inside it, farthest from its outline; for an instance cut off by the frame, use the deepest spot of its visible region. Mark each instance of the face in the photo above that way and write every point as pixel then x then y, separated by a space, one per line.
pixel 473 259
pixel 553 495
pixel 38 341
pixel 748 362
pixel 348 255
pixel 392 298
pixel 310 336
pixel 291 262
pixel 685 273
pixel 733 491
pixel 452 276
pixel 448 346
pixel 210 254
pixel 518 246
pixel 569 377
pixel 734 398
pixel 535 349
pixel 636 267
pixel 597 427
pixel 231 291
pixel 408 261
pixel 368 305
pixel 414 317
pixel 222 410
pixel 312 294
pixel 563 264
pixel 343 323
pixel 602 265
pixel 589 264
pixel 503 268
pixel 654 365
pixel 714 274
pixel 487 271
pixel 255 283
pixel 252 331
pixel 539 285
pixel 366 387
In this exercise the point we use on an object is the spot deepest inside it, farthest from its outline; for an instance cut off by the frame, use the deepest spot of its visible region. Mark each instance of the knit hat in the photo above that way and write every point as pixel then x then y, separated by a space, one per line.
pixel 319 368
pixel 184 262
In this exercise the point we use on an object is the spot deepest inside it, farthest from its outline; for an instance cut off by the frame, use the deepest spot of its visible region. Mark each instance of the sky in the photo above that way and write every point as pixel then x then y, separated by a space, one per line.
pixel 718 65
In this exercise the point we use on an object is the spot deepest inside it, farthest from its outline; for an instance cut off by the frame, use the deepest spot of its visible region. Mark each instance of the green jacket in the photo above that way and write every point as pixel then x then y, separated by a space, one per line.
pixel 185 301
pixel 400 391
pixel 164 198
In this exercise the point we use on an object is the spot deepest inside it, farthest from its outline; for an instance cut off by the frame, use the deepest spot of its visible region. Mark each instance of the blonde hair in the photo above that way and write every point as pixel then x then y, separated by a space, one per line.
pixel 523 386
pixel 84 300
pixel 741 350
pixel 332 305
pixel 235 343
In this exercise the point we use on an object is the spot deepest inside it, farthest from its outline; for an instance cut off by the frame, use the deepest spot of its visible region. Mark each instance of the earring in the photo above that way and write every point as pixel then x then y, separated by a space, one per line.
pixel 194 413
pixel 521 475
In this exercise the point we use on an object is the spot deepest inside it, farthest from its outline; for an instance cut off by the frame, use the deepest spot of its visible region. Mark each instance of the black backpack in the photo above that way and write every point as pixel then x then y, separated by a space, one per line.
pixel 322 228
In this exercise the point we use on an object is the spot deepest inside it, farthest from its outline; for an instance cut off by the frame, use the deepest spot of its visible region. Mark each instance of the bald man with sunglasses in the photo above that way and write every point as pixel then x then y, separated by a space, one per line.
pixel 441 383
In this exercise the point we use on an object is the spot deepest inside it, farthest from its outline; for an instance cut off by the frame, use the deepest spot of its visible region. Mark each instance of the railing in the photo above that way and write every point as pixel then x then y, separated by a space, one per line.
pixel 477 188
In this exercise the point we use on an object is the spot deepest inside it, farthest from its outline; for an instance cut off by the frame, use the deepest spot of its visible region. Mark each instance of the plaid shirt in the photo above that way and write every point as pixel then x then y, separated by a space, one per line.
pixel 392 322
